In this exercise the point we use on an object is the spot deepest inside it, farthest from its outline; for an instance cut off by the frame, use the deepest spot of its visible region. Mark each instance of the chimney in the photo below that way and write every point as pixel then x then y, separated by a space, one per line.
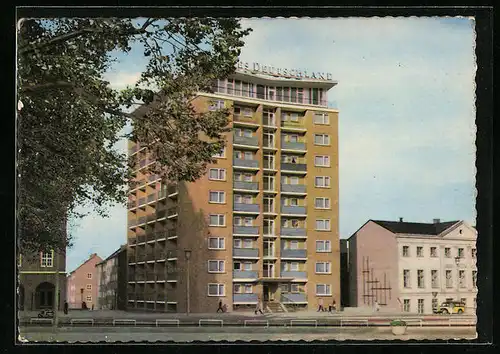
pixel 436 221
pixel 400 219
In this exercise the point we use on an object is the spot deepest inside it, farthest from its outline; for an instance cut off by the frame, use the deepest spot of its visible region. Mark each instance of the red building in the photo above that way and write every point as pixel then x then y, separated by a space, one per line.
pixel 82 284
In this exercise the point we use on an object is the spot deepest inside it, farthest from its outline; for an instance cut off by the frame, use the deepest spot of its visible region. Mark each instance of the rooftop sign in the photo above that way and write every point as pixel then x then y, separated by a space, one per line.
pixel 286 73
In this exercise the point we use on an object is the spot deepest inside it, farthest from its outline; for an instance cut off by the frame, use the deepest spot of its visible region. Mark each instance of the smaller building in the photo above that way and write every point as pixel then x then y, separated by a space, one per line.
pixel 82 284
pixel 344 273
pixel 112 281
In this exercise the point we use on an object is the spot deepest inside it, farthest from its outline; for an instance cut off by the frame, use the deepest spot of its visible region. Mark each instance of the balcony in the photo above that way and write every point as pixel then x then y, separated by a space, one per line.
pixel 246 252
pixel 132 222
pixel 246 163
pixel 161 255
pixel 293 274
pixel 288 145
pixel 252 186
pixel 161 214
pixel 141 257
pixel 245 140
pixel 171 233
pixel 141 220
pixel 293 188
pixel 151 197
pixel 290 231
pixel 132 204
pixel 172 191
pixel 293 125
pixel 246 230
pixel 141 238
pixel 249 208
pixel 141 202
pixel 244 274
pixel 246 298
pixel 241 119
pixel 172 212
pixel 293 297
pixel 294 167
pixel 268 121
pixel 286 253
pixel 293 210
pixel 269 253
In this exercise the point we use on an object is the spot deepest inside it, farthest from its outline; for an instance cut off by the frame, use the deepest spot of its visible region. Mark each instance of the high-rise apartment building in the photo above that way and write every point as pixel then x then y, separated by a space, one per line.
pixel 262 224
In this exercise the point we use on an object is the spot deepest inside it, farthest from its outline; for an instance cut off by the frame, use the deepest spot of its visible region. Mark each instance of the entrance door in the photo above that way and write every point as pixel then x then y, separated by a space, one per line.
pixel 45 296
pixel 266 292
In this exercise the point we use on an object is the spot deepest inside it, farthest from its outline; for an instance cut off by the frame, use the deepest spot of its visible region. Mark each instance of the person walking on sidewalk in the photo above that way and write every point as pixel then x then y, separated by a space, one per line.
pixel 258 307
pixel 332 307
pixel 220 308
pixel 320 306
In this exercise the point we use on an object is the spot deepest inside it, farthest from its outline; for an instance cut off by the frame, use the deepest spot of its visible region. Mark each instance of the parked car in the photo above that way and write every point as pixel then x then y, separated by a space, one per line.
pixel 449 307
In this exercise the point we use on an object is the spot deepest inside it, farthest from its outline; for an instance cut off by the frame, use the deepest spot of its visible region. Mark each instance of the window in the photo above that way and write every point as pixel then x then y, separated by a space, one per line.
pixel 221 154
pixel 406 278
pixel 89 275
pixel 89 286
pixel 89 298
pixel 216 105
pixel 322 161
pixel 323 268
pixel 474 278
pixel 447 252
pixel 323 224
pixel 47 259
pixel 406 305
pixel 322 203
pixel 242 266
pixel 216 266
pixel 294 117
pixel 461 278
pixel 322 181
pixel 284 288
pixel 217 197
pixel 420 251
pixel 323 289
pixel 216 243
pixel 243 289
pixel 294 288
pixel 323 246
pixel 473 253
pixel 217 220
pixel 460 253
pixel 434 278
pixel 292 245
pixel 433 251
pixel 449 279
pixel 321 139
pixel 420 304
pixel 243 132
pixel 216 290
pixel 248 221
pixel 293 138
pixel 406 251
pixel 321 118
pixel 420 278
pixel 217 174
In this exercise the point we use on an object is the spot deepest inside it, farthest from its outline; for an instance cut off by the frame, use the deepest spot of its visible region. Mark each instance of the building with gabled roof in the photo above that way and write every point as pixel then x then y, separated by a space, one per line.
pixel 412 266
pixel 112 281
pixel 82 284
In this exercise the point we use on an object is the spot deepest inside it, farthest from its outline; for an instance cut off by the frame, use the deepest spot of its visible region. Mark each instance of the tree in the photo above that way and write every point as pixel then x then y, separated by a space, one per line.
pixel 70 118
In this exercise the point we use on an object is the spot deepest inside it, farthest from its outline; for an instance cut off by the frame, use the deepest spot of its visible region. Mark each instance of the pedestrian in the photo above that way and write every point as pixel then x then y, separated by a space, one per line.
pixel 258 307
pixel 331 307
pixel 377 306
pixel 320 306
pixel 65 307
pixel 220 308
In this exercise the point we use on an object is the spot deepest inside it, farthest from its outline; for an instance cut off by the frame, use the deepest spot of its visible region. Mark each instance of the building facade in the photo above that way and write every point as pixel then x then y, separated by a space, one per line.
pixel 112 281
pixel 38 274
pixel 261 224
pixel 82 284
pixel 413 266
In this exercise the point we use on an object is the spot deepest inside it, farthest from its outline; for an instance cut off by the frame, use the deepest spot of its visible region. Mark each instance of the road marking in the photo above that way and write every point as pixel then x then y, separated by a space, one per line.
pixel 210 320
pixel 124 321
pixel 256 322
pixel 304 321
pixel 166 322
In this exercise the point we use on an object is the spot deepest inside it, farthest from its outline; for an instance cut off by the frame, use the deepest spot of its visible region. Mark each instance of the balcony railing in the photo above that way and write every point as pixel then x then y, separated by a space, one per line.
pixel 151 197
pixel 290 231
pixel 293 145
pixel 244 274
pixel 131 204
pixel 247 298
pixel 245 252
pixel 141 201
pixel 141 238
pixel 172 190
pixel 244 140
pixel 293 297
pixel 161 254
pixel 246 230
pixel 270 187
pixel 269 231
pixel 286 253
pixel 271 122
pixel 172 211
pixel 171 232
pixel 299 167
pixel 253 186
pixel 245 163
pixel 268 273
pixel 131 259
pixel 293 188
pixel 269 252
pixel 243 119
pixel 295 210
pixel 141 257
pixel 293 274
pixel 141 220
pixel 296 125
pixel 254 208
pixel 132 222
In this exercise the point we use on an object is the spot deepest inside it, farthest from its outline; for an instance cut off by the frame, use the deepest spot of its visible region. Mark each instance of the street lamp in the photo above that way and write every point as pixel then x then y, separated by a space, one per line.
pixel 187 255
pixel 457 262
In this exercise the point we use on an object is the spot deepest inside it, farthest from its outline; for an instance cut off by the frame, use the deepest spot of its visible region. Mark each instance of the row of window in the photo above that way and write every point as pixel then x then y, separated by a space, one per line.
pixel 433 252
pixel 421 302
pixel 319 139
pixel 319 160
pixel 219 266
pixel 219 197
pixel 219 289
pixel 435 278
pixel 219 220
pixel 219 243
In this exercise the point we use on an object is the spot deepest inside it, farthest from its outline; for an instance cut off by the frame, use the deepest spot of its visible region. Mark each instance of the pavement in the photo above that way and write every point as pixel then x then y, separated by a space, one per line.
pixel 209 334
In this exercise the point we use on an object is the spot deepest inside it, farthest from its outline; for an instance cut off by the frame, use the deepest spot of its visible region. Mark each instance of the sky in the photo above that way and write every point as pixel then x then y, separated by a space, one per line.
pixel 406 99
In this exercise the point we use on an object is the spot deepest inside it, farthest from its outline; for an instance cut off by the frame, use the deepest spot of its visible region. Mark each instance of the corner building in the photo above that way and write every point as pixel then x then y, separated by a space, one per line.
pixel 262 223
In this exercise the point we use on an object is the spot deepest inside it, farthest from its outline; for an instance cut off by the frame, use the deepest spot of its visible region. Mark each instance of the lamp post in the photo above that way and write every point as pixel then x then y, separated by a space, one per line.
pixel 457 262
pixel 187 254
